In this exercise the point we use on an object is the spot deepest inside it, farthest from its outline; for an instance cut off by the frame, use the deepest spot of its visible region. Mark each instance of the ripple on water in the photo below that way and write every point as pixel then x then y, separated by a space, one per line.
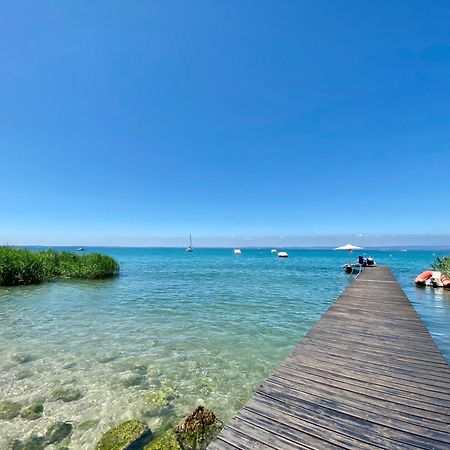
pixel 173 331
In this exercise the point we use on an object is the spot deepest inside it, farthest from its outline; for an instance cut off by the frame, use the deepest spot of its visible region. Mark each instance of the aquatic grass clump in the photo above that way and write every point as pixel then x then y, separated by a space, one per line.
pixel 442 264
pixel 22 266
pixel 19 267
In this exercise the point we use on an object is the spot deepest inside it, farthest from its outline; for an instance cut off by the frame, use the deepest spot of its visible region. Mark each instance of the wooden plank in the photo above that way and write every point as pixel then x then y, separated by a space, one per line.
pixel 437 404
pixel 371 383
pixel 320 425
pixel 367 375
pixel 331 363
pixel 405 420
pixel 339 428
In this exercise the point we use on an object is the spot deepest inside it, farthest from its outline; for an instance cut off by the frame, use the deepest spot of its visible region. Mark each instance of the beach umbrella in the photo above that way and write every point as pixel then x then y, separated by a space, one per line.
pixel 349 248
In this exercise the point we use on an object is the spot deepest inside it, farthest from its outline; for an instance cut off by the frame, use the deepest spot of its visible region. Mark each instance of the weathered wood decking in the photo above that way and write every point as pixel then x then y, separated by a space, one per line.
pixel 367 375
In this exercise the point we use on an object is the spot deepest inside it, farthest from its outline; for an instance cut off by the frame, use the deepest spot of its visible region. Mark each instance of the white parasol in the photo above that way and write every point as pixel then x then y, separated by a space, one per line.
pixel 349 248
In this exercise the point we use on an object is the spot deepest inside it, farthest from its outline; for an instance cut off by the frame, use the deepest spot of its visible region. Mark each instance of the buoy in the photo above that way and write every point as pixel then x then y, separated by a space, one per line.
pixel 282 255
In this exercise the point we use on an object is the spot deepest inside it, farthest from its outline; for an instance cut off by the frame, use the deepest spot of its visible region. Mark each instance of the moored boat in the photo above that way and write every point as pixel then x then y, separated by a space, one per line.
pixel 190 249
pixel 282 254
pixel 432 278
pixel 445 280
pixel 421 279
pixel 352 268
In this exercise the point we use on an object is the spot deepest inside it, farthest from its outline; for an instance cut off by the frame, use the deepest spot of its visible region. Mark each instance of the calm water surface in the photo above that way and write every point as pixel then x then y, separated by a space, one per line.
pixel 173 331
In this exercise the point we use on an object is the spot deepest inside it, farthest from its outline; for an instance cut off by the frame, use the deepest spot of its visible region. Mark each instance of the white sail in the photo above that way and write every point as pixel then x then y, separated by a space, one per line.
pixel 190 248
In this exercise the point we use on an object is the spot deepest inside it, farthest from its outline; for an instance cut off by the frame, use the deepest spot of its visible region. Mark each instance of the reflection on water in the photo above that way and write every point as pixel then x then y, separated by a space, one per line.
pixel 173 331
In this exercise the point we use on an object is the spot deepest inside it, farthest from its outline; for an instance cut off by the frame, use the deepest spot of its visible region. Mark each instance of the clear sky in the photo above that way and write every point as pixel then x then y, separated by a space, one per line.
pixel 123 120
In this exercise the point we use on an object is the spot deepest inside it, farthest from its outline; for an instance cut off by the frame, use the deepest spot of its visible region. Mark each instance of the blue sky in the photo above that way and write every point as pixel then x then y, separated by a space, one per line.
pixel 126 120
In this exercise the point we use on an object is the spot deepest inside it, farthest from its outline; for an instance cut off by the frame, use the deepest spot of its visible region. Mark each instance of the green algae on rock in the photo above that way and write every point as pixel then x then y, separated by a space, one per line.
pixel 32 412
pixel 9 410
pixel 31 443
pixel 57 432
pixel 168 441
pixel 198 429
pixel 87 425
pixel 132 434
pixel 66 394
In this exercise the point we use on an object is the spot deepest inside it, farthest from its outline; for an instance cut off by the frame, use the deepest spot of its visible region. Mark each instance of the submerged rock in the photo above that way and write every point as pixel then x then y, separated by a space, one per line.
pixel 25 373
pixel 71 365
pixel 198 429
pixel 32 412
pixel 87 425
pixel 66 394
pixel 23 358
pixel 31 443
pixel 9 410
pixel 57 432
pixel 129 379
pixel 108 358
pixel 159 403
pixel 194 432
pixel 127 436
pixel 168 441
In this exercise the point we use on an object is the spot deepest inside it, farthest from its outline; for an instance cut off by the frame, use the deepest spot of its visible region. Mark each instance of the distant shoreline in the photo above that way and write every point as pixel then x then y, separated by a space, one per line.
pixel 249 247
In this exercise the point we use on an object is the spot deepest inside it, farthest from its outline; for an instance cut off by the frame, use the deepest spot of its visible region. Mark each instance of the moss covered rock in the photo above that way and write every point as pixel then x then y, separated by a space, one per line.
pixel 198 429
pixel 156 399
pixel 66 394
pixel 31 443
pixel 167 441
pixel 9 410
pixel 129 435
pixel 33 412
pixel 57 432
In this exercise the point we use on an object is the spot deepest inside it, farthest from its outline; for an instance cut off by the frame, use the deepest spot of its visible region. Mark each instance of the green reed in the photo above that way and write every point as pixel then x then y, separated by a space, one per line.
pixel 442 264
pixel 23 266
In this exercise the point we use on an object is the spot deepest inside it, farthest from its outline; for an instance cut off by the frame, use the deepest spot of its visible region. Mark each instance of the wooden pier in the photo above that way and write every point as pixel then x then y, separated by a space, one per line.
pixel 367 375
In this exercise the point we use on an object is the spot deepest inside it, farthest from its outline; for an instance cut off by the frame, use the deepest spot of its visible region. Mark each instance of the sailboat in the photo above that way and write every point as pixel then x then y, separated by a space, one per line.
pixel 190 248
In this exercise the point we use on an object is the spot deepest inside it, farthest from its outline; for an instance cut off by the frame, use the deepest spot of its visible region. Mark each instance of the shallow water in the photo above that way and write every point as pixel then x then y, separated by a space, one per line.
pixel 173 331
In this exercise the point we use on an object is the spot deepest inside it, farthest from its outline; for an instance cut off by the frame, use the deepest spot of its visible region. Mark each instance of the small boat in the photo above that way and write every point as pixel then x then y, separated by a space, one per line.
pixel 352 268
pixel 237 251
pixel 366 262
pixel 274 250
pixel 80 249
pixel 432 278
pixel 190 249
pixel 445 280
pixel 358 267
pixel 282 255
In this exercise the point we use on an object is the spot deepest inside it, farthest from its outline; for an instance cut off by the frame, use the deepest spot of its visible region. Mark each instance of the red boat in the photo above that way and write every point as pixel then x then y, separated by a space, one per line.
pixel 432 278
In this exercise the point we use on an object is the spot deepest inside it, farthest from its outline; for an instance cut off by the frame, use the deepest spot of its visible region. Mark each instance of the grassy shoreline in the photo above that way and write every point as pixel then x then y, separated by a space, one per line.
pixel 22 266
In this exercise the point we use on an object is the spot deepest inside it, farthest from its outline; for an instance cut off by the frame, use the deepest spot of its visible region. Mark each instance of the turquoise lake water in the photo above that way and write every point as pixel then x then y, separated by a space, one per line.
pixel 175 330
